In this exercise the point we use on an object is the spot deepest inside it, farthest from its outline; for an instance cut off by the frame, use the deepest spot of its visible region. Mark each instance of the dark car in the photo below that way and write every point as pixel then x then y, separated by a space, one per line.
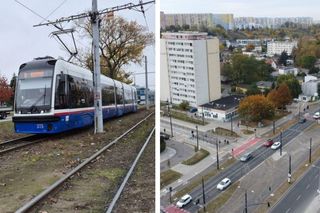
pixel 302 120
pixel 246 157
pixel 193 110
pixel 165 136
pixel 268 143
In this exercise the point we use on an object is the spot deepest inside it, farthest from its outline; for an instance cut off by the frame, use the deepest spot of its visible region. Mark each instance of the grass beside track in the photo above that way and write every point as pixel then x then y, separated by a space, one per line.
pixel 197 157
pixel 168 177
pixel 197 181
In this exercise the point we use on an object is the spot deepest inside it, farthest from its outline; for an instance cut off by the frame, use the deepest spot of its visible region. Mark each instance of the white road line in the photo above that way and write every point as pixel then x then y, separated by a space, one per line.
pixel 288 210
pixel 298 198
pixel 308 186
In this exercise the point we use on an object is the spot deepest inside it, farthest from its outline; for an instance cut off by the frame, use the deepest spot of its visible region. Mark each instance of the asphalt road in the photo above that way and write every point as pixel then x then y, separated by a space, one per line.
pixel 301 195
pixel 239 169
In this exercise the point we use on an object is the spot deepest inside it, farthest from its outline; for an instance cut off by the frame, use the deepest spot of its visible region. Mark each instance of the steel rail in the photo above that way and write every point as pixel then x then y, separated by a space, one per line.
pixel 117 196
pixel 55 185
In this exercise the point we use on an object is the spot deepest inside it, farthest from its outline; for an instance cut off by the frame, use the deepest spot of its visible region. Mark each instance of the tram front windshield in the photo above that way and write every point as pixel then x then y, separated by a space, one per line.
pixel 33 92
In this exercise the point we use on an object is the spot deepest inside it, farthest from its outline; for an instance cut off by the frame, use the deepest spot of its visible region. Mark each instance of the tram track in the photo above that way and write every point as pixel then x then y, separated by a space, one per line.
pixel 35 203
pixel 18 143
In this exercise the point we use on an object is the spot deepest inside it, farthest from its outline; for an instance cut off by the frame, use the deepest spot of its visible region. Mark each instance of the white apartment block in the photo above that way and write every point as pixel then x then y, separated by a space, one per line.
pixel 277 47
pixel 197 19
pixel 189 68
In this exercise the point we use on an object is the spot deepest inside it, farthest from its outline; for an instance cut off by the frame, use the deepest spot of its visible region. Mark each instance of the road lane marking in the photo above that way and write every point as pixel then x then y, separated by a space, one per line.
pixel 288 210
pixel 298 198
pixel 308 186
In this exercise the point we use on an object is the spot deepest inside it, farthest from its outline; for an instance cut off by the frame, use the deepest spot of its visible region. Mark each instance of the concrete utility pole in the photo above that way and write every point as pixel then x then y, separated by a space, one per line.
pixel 203 196
pixel 197 138
pixel 146 89
pixel 217 148
pixel 96 69
pixel 310 150
pixel 245 202
pixel 289 172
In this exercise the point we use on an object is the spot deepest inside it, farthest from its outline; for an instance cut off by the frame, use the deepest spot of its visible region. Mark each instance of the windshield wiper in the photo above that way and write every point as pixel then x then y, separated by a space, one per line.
pixel 33 107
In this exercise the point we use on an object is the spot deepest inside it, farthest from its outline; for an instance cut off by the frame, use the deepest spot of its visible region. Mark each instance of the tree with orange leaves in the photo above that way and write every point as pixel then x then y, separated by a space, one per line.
pixel 5 90
pixel 256 108
pixel 280 96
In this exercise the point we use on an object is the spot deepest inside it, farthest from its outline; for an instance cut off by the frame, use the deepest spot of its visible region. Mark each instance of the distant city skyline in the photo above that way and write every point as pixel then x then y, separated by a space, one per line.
pixel 246 8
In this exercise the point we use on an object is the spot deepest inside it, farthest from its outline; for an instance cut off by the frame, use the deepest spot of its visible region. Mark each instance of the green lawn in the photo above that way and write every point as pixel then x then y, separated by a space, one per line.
pixel 168 177
pixel 197 157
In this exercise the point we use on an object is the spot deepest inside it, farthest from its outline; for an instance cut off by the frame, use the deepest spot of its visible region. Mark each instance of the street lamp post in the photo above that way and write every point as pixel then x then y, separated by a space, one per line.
pixel 289 172
pixel 310 150
pixel 245 202
pixel 202 116
pixel 197 138
pixel 281 143
pixel 170 118
pixel 217 148
pixel 203 196
pixel 274 126
pixel 231 124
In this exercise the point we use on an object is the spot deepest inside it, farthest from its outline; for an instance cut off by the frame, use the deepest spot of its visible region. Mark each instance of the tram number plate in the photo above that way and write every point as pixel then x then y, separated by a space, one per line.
pixel 40 126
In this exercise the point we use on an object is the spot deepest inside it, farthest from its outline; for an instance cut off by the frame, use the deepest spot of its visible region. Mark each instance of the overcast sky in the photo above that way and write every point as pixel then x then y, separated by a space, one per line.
pixel 21 42
pixel 257 8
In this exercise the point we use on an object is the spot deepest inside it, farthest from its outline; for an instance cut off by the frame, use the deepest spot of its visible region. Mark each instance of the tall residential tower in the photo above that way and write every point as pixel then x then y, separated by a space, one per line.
pixel 190 68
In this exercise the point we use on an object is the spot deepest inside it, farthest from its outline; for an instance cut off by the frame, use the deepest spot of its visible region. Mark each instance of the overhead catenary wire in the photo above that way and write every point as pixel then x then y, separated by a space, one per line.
pixel 53 11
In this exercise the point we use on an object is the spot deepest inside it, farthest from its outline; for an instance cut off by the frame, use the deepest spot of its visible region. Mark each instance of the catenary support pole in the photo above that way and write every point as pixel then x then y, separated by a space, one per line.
pixel 310 150
pixel 96 73
pixel 203 196
pixel 217 148
pixel 197 138
pixel 146 89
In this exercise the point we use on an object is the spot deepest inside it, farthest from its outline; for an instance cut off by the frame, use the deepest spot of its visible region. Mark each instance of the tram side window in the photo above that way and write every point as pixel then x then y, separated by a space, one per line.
pixel 107 95
pixel 81 92
pixel 128 96
pixel 119 95
pixel 61 97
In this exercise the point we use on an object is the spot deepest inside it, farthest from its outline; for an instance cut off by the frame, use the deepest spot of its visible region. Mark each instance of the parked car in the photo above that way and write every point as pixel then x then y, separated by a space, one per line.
pixel 302 120
pixel 276 145
pixel 246 157
pixel 224 184
pixel 268 143
pixel 184 200
pixel 316 115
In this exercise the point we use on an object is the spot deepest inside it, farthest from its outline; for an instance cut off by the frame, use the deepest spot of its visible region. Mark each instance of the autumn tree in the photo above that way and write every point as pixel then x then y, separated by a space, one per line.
pixel 13 87
pixel 5 90
pixel 256 108
pixel 250 47
pixel 292 83
pixel 280 96
pixel 121 43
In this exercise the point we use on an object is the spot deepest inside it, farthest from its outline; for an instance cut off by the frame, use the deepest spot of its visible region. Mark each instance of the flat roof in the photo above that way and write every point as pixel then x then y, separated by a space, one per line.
pixel 224 103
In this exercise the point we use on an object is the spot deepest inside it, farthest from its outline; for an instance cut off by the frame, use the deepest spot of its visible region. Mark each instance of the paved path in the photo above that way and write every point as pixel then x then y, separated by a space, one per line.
pixel 167 154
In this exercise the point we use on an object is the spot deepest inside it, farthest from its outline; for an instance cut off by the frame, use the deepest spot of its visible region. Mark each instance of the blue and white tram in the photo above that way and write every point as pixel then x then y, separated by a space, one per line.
pixel 54 96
